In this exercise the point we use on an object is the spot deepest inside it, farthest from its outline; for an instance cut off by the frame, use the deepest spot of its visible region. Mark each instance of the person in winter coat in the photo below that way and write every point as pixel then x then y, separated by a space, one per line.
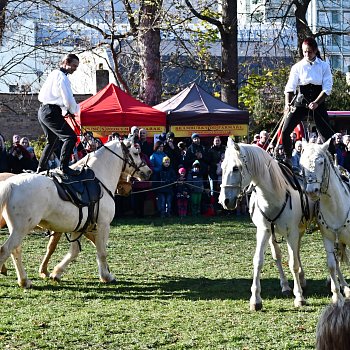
pixel 196 182
pixel 182 191
pixel 165 188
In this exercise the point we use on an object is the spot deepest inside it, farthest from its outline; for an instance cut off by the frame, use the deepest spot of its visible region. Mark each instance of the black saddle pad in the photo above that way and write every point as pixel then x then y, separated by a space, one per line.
pixel 81 190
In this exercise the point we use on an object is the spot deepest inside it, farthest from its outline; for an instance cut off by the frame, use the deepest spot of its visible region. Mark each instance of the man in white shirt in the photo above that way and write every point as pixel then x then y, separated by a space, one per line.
pixel 57 100
pixel 314 79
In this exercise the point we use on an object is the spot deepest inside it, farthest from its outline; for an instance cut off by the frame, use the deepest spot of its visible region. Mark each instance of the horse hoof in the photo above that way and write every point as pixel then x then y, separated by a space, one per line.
pixel 43 275
pixel 287 293
pixel 256 307
pixel 3 270
pixel 55 278
pixel 26 284
pixel 299 303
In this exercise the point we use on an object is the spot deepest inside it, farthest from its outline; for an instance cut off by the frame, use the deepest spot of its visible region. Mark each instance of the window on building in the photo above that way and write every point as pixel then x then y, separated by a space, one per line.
pixel 336 62
pixel 336 40
pixel 323 19
pixel 346 19
pixel 335 18
pixel 346 40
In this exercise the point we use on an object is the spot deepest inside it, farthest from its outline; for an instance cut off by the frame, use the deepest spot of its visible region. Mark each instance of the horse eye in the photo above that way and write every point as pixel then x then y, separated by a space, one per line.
pixel 235 168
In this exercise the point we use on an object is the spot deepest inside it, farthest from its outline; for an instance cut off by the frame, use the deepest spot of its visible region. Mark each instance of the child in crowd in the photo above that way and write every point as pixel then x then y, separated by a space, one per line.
pixel 165 190
pixel 182 193
pixel 195 179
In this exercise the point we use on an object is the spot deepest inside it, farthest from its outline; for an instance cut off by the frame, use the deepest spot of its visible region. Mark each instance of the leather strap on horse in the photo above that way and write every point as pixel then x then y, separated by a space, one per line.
pixel 293 181
pixel 272 221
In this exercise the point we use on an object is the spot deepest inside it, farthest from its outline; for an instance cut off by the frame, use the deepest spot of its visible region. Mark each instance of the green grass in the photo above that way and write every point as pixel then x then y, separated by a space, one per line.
pixel 180 286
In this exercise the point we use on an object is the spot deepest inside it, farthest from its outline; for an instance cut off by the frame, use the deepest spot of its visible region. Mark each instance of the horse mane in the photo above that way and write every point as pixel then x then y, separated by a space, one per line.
pixel 262 165
pixel 313 148
pixel 93 154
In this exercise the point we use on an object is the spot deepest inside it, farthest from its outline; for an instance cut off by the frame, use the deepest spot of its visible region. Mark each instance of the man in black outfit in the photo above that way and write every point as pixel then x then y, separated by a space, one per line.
pixel 57 101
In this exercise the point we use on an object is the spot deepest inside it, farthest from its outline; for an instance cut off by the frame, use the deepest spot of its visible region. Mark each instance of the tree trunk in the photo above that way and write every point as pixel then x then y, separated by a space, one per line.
pixel 3 4
pixel 149 46
pixel 229 53
pixel 303 29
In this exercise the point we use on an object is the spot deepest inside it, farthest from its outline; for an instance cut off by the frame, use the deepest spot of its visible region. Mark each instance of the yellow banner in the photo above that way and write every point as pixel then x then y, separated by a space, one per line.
pixel 104 131
pixel 210 130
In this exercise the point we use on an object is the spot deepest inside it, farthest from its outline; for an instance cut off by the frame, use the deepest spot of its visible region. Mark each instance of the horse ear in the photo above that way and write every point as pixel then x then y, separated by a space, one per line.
pixel 231 142
pixel 325 145
pixel 127 142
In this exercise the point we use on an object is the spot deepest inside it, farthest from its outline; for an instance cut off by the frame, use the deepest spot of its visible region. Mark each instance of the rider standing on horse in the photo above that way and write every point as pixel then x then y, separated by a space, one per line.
pixel 314 79
pixel 57 101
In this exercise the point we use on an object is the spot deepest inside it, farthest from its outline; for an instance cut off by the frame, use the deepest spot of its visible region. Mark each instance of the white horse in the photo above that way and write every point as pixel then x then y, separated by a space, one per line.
pixel 325 185
pixel 30 200
pixel 274 205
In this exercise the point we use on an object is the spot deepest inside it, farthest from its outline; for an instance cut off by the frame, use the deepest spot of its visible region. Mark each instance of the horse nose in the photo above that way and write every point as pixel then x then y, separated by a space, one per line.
pixel 226 201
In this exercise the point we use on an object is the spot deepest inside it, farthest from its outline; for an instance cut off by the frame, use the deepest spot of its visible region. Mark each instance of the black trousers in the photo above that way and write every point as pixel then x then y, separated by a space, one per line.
pixel 301 112
pixel 55 128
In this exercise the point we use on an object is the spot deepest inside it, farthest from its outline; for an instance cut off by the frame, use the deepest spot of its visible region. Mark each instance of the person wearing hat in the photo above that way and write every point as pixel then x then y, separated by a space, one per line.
pixel 171 150
pixel 182 191
pixel 196 183
pixel 165 188
pixel 134 133
pixel 197 152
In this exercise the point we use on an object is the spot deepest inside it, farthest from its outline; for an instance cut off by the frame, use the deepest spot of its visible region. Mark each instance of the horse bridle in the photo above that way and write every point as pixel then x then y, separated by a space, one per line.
pixel 127 159
pixel 324 183
pixel 242 189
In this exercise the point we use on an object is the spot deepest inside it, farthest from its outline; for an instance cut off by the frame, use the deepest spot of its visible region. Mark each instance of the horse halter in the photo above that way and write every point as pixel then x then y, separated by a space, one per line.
pixel 239 185
pixel 127 158
pixel 312 178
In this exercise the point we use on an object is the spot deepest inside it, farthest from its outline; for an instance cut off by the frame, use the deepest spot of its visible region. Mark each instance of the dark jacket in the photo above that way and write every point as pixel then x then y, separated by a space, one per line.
pixel 166 176
pixel 214 157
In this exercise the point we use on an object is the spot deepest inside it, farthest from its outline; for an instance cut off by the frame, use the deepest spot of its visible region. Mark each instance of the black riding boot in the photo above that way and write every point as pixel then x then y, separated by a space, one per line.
pixel 67 170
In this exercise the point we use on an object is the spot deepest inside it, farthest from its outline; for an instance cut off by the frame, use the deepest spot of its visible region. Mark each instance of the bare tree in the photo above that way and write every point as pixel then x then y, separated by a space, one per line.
pixel 227 28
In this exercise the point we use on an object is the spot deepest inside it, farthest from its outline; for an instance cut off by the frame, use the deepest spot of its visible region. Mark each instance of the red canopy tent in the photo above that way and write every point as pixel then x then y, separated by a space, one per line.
pixel 113 110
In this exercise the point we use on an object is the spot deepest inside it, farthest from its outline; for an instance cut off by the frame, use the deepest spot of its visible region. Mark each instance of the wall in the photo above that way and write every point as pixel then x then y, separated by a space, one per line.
pixel 18 115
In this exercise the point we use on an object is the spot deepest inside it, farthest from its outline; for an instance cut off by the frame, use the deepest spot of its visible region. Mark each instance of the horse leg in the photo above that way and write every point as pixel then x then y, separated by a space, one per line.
pixel 51 247
pixel 22 278
pixel 73 252
pixel 294 266
pixel 343 284
pixel 277 256
pixel 13 246
pixel 332 266
pixel 101 253
pixel 301 271
pixel 262 236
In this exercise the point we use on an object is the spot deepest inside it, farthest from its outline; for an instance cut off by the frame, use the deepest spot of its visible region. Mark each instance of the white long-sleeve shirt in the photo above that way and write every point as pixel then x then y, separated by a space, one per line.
pixel 304 73
pixel 57 90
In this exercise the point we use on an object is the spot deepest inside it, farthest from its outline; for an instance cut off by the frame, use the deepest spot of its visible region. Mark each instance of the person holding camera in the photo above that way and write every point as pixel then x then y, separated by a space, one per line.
pixel 57 101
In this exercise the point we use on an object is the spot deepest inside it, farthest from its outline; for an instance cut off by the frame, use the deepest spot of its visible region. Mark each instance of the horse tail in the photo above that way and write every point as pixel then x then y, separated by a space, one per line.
pixel 5 191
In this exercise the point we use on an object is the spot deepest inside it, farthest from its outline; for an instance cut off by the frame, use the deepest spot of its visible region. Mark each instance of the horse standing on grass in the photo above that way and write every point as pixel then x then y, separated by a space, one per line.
pixel 325 185
pixel 274 205
pixel 30 200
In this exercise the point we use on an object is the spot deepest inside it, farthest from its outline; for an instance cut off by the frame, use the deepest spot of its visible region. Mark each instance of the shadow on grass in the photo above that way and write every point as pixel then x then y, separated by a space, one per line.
pixel 182 288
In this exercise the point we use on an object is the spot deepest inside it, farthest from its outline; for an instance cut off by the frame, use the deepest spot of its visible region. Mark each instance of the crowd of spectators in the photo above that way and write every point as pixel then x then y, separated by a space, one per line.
pixel 186 174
